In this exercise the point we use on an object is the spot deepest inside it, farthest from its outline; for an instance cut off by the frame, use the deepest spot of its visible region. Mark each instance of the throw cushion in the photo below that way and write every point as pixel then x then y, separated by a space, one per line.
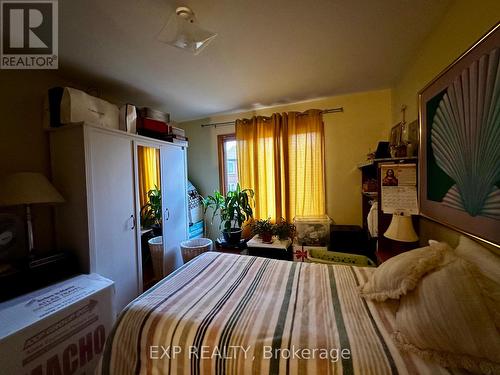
pixel 447 319
pixel 400 274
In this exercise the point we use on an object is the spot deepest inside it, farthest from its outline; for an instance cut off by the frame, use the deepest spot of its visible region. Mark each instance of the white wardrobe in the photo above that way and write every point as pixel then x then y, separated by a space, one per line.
pixel 95 169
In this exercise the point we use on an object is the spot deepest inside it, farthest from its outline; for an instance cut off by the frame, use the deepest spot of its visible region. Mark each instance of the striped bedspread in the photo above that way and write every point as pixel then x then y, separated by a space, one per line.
pixel 231 314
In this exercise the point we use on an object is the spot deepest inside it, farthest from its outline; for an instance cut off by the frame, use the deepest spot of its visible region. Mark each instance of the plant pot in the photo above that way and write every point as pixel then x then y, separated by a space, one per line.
pixel 232 236
pixel 266 237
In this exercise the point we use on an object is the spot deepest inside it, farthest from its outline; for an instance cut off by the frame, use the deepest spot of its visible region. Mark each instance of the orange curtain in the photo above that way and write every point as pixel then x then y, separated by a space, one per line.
pixel 282 159
pixel 149 171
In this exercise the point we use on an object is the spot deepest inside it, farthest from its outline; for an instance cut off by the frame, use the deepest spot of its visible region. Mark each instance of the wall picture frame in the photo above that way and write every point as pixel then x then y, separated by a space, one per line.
pixel 395 136
pixel 459 117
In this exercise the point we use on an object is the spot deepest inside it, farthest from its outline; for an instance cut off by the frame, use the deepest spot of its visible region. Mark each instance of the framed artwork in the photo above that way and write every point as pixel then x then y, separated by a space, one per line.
pixel 395 136
pixel 459 113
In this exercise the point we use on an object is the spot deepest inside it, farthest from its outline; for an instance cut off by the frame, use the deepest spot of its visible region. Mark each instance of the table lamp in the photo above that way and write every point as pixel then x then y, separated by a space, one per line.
pixel 401 228
pixel 28 188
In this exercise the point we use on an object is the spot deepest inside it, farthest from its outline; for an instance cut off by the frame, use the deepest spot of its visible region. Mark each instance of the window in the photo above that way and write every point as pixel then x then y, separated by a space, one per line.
pixel 228 162
pixel 231 166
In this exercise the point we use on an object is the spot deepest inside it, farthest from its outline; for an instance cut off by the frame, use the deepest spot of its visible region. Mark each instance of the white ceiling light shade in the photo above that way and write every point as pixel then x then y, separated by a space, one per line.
pixel 182 31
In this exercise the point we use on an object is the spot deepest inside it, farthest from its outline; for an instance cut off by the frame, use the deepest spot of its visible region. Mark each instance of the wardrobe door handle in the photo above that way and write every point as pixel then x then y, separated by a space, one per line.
pixel 133 222
pixel 167 214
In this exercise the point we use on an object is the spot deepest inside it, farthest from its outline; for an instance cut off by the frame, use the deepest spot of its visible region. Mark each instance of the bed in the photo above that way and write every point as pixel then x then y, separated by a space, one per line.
pixel 231 314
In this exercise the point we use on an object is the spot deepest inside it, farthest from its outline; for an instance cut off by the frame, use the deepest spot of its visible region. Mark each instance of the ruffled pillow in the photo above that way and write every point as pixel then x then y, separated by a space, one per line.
pixel 400 274
pixel 488 264
pixel 448 319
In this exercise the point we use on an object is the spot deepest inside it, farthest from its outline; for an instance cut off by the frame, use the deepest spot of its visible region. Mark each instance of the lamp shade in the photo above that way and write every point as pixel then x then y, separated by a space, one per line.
pixel 27 188
pixel 182 31
pixel 401 229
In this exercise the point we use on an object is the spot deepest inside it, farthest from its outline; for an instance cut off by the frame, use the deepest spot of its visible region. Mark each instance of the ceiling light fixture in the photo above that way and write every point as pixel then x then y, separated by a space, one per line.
pixel 182 31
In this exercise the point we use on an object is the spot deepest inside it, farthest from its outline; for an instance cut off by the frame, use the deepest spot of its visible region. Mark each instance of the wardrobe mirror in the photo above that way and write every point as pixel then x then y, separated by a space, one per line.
pixel 149 190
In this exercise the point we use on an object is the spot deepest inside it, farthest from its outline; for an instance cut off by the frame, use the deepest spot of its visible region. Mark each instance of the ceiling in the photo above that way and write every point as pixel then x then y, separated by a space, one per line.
pixel 267 52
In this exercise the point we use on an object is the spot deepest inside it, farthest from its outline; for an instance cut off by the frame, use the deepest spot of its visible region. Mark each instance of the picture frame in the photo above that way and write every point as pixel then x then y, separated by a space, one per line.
pixel 459 169
pixel 410 137
pixel 397 147
pixel 395 136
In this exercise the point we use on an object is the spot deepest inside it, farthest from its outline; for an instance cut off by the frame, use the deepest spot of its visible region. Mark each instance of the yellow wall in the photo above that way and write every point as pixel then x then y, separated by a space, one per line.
pixel 348 138
pixel 464 23
pixel 23 143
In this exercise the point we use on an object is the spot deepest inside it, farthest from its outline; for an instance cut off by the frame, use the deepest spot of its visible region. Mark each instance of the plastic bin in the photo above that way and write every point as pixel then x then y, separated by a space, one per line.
pixel 156 250
pixel 312 230
pixel 192 248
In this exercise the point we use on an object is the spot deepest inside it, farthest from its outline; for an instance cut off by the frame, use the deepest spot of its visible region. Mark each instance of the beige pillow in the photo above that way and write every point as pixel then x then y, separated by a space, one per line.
pixel 488 264
pixel 446 319
pixel 400 274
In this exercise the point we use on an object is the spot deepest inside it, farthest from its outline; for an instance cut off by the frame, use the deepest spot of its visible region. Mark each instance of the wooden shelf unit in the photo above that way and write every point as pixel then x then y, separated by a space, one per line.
pixel 371 169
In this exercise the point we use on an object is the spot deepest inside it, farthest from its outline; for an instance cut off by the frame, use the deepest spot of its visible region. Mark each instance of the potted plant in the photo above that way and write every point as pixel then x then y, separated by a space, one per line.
pixel 284 229
pixel 151 212
pixel 264 229
pixel 234 209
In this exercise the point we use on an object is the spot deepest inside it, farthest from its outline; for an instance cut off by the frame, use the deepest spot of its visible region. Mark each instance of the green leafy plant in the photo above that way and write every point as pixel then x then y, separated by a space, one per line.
pixel 264 229
pixel 234 209
pixel 262 226
pixel 151 211
pixel 284 229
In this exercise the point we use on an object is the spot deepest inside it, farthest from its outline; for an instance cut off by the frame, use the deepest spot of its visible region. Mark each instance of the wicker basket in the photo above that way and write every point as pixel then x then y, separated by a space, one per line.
pixel 156 250
pixel 192 248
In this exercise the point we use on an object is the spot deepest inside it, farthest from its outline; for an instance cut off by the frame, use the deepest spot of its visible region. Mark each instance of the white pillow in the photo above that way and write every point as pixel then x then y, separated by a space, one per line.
pixel 400 274
pixel 447 319
pixel 488 264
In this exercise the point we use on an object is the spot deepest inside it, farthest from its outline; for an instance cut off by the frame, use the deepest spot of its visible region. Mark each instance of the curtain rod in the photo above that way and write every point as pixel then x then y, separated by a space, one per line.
pixel 227 123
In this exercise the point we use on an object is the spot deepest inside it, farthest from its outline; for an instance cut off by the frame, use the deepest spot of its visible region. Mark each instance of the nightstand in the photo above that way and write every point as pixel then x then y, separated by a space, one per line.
pixel 383 255
pixel 276 250
pixel 396 249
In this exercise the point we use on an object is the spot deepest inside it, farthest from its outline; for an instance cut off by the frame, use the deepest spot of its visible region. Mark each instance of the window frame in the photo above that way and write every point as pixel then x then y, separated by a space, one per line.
pixel 221 151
